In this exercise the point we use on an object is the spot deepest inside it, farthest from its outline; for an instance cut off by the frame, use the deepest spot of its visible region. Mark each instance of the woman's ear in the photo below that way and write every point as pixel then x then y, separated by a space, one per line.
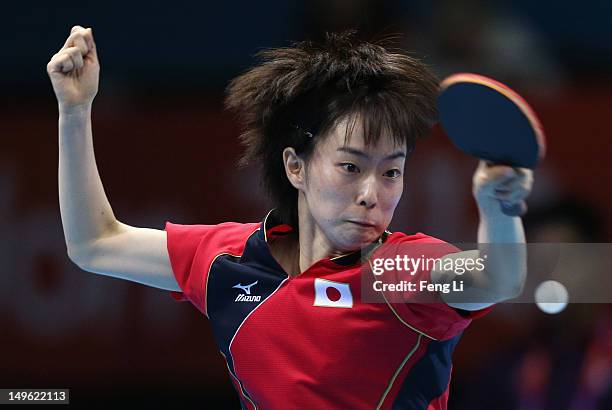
pixel 295 167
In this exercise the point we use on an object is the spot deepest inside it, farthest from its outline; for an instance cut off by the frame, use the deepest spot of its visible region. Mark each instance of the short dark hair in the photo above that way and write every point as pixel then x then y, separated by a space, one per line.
pixel 297 94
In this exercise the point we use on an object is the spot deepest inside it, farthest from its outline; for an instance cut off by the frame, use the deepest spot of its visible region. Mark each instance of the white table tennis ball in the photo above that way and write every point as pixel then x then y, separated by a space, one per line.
pixel 551 297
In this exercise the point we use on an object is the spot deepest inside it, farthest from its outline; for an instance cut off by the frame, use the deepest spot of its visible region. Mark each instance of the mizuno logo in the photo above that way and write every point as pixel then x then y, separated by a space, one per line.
pixel 246 296
pixel 245 288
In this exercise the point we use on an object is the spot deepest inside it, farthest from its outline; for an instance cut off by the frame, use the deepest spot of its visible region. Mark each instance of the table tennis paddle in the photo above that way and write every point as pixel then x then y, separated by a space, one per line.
pixel 486 119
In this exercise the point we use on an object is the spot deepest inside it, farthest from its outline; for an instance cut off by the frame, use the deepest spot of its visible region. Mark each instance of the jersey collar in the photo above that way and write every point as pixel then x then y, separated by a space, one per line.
pixel 273 226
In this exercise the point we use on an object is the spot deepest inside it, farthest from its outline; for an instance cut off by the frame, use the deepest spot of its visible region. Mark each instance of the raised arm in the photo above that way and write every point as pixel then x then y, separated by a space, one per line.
pixel 96 241
pixel 500 235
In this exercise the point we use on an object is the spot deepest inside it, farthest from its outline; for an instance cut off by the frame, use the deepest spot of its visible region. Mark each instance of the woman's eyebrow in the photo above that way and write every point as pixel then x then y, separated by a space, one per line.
pixel 359 153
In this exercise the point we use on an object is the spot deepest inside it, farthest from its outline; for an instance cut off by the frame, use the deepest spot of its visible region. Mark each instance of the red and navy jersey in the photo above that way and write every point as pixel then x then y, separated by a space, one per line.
pixel 309 341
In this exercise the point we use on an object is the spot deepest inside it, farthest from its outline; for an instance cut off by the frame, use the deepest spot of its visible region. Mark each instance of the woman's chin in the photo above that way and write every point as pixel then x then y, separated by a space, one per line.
pixel 354 242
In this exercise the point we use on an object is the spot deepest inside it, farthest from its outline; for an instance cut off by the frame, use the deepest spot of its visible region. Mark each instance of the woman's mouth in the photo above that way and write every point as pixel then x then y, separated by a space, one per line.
pixel 365 224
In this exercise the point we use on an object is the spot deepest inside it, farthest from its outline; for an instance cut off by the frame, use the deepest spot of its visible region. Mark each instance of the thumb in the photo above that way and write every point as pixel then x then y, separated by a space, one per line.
pixel 499 173
pixel 91 44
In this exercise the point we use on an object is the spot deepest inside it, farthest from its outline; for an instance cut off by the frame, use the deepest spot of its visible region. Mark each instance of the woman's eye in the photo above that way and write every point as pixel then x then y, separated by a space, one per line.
pixel 393 173
pixel 349 167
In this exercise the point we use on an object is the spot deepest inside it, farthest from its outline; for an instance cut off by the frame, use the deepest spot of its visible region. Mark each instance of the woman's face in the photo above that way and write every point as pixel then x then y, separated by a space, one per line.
pixel 351 190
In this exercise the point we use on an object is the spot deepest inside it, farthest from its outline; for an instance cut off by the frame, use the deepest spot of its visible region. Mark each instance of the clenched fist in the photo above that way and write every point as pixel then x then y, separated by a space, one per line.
pixel 493 184
pixel 75 70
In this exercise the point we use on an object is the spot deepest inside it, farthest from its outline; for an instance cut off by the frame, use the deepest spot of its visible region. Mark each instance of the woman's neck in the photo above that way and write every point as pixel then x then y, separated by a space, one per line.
pixel 286 252
pixel 313 245
pixel 296 253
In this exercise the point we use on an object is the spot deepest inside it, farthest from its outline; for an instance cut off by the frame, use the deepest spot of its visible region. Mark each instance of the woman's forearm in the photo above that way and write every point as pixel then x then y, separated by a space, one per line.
pixel 85 210
pixel 502 238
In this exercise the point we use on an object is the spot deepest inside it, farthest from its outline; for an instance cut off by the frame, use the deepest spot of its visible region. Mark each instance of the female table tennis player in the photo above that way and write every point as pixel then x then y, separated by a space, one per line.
pixel 331 125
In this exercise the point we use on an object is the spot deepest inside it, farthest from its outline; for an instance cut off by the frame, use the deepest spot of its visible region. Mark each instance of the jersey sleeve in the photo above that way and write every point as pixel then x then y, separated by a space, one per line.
pixel 192 250
pixel 425 311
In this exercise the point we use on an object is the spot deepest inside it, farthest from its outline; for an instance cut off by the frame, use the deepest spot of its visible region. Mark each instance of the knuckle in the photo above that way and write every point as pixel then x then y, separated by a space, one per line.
pixel 78 36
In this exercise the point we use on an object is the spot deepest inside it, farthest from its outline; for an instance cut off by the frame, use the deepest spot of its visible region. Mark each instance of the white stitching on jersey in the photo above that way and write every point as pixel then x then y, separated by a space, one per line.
pixel 229 349
pixel 395 313
pixel 397 372
pixel 243 390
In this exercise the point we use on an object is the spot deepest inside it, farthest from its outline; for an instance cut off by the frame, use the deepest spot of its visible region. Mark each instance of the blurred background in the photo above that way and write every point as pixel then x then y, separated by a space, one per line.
pixel 166 151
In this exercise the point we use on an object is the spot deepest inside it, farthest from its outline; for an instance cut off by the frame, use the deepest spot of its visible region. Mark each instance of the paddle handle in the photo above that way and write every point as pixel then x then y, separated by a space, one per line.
pixel 518 209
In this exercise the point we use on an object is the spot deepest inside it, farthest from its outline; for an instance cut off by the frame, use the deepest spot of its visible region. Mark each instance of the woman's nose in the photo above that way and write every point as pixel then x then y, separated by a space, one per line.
pixel 367 192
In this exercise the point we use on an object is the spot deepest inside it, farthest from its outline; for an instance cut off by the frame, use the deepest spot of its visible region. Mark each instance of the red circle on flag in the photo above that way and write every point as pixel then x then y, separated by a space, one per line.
pixel 332 293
